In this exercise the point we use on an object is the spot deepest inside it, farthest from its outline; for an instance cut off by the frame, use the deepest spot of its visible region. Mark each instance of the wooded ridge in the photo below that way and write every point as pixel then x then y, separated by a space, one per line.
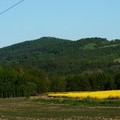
pixel 53 64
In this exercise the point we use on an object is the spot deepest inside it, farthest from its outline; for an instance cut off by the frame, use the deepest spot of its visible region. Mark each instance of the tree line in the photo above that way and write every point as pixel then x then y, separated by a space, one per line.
pixel 19 81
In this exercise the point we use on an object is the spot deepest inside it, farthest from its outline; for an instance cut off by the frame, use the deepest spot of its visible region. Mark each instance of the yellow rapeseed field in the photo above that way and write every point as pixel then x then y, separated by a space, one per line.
pixel 82 95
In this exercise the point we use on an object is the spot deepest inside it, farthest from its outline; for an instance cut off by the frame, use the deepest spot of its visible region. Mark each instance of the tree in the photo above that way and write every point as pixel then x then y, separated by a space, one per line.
pixel 117 80
pixel 58 84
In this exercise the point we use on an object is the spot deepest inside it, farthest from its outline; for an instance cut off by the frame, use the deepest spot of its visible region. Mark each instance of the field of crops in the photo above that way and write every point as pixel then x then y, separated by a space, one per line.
pixel 112 94
pixel 45 108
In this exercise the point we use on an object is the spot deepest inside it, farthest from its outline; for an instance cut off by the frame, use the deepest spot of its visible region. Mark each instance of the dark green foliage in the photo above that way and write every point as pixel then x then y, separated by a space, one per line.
pixel 58 84
pixel 58 56
pixel 77 83
pixel 91 82
pixel 52 64
pixel 15 82
pixel 19 81
pixel 117 80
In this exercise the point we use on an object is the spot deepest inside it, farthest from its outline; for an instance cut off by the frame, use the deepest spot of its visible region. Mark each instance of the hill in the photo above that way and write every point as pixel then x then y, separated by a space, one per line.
pixel 52 64
pixel 54 55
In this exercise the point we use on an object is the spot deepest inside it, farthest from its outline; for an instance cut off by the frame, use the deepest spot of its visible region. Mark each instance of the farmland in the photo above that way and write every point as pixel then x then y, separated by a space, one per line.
pixel 97 95
pixel 45 108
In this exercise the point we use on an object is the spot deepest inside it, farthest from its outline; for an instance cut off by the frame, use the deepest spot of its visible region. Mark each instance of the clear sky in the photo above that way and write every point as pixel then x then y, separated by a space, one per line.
pixel 69 19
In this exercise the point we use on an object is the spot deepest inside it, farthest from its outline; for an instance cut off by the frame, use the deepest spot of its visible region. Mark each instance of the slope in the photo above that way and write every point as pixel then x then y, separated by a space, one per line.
pixel 54 55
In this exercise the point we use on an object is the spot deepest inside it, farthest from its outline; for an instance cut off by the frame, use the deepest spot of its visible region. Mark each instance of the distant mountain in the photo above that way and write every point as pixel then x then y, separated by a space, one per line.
pixel 60 56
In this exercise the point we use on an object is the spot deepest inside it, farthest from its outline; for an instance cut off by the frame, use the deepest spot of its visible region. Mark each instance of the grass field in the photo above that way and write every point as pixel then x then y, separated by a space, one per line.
pixel 45 108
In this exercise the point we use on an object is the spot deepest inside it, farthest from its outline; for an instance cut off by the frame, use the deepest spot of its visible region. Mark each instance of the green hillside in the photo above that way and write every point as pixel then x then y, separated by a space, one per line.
pixel 52 64
pixel 59 56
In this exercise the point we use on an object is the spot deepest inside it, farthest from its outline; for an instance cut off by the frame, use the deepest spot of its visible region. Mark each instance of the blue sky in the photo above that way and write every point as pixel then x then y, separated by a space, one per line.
pixel 69 19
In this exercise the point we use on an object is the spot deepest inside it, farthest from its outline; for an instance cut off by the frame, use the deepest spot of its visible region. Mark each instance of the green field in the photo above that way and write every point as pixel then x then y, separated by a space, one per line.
pixel 44 108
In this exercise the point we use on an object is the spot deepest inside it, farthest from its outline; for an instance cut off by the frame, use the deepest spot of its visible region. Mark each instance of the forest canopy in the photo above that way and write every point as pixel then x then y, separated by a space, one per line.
pixel 52 64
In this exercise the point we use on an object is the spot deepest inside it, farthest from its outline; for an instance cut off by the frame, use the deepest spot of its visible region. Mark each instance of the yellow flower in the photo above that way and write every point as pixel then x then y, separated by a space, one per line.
pixel 97 94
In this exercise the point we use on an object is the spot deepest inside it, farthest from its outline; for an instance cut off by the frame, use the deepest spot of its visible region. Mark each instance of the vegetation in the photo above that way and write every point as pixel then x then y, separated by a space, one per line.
pixel 112 94
pixel 55 65
pixel 57 109
pixel 19 81
pixel 63 57
pixel 50 64
pixel 16 82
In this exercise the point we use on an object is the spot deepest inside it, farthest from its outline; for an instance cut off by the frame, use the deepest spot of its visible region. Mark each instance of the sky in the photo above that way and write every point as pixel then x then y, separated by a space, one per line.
pixel 68 19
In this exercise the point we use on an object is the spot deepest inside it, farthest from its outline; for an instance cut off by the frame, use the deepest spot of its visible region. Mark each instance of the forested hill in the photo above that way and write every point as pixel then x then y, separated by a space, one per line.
pixel 62 57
